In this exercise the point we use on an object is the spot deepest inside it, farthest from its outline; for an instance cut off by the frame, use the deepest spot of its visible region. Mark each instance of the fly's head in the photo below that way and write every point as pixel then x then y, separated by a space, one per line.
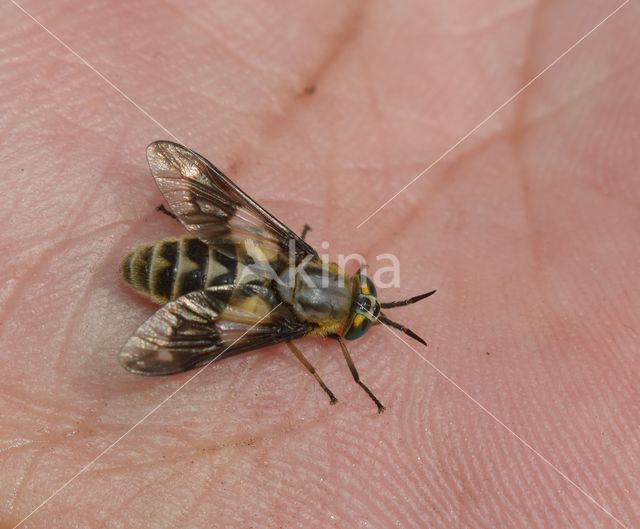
pixel 366 309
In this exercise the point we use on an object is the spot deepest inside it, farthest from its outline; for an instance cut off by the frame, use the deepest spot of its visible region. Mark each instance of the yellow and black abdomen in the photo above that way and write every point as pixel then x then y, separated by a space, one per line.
pixel 171 268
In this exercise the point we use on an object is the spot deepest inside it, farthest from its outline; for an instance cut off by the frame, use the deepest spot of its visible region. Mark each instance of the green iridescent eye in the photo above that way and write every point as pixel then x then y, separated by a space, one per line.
pixel 358 327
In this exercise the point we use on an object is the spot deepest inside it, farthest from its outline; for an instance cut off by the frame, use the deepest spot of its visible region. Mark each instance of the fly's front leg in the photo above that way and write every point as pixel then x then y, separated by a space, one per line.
pixel 164 210
pixel 305 230
pixel 355 374
pixel 298 353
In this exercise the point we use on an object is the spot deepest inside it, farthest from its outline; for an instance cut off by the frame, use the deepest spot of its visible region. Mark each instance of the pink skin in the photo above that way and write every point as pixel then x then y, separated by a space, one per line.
pixel 529 230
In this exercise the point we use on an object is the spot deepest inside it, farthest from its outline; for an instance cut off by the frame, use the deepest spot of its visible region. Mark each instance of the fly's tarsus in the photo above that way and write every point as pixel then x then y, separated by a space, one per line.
pixel 164 210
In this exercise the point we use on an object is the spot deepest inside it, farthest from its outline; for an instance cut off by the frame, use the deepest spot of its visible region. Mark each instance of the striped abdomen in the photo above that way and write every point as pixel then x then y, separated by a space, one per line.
pixel 169 269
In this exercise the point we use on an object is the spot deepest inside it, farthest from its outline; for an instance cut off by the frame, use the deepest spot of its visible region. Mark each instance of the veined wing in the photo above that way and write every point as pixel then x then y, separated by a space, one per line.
pixel 207 325
pixel 211 206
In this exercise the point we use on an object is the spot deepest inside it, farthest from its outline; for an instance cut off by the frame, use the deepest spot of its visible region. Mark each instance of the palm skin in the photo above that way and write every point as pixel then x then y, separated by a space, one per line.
pixel 322 112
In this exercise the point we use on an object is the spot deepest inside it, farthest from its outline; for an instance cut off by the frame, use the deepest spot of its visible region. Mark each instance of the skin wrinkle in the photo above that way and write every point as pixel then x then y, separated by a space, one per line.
pixel 595 479
pixel 442 178
pixel 221 43
pixel 250 155
pixel 290 109
pixel 81 302
pixel 412 498
pixel 489 23
pixel 410 184
pixel 229 466
pixel 49 252
pixel 80 209
pixel 60 439
pixel 517 121
pixel 530 437
pixel 25 96
pixel 449 472
pixel 127 502
pixel 342 42
pixel 189 514
pixel 60 357
pixel 33 463
pixel 278 433
pixel 518 139
pixel 574 99
pixel 521 124
pixel 63 435
pixel 21 486
pixel 373 98
pixel 519 136
pixel 67 226
pixel 31 407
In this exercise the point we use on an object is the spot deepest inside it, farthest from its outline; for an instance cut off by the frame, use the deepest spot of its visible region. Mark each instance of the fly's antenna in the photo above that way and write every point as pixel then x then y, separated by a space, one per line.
pixel 404 302
pixel 383 319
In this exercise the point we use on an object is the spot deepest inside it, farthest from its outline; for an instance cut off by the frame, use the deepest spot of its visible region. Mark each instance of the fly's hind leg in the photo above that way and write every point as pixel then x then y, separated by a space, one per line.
pixel 306 229
pixel 164 210
pixel 354 372
pixel 312 370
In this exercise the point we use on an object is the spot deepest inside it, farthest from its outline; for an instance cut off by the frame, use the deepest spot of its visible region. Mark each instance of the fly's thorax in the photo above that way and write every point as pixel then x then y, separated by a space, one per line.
pixel 318 292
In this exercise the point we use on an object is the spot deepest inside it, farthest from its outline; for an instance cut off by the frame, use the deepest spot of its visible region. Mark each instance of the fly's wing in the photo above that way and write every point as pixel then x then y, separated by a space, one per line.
pixel 211 206
pixel 208 325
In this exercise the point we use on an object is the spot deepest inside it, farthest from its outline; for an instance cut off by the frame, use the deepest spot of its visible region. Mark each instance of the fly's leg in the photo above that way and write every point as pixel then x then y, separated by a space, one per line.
pixel 164 210
pixel 312 370
pixel 355 374
pixel 305 230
